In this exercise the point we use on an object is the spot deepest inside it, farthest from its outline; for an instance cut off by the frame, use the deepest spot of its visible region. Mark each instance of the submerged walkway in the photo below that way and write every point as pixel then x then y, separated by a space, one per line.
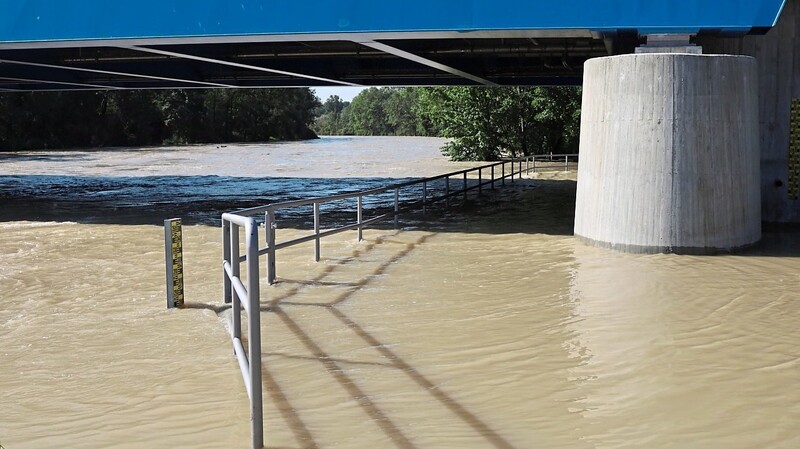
pixel 366 393
pixel 492 327
pixel 349 374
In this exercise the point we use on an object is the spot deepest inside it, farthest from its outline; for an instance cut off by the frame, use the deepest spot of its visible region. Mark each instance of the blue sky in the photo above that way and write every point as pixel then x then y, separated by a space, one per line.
pixel 345 93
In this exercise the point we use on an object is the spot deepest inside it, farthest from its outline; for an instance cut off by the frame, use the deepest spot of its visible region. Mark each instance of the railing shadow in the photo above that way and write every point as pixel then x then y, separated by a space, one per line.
pixel 333 365
pixel 359 396
pixel 298 427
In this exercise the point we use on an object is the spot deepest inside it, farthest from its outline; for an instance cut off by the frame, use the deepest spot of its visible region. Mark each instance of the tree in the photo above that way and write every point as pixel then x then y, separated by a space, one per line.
pixel 367 114
pixel 329 116
pixel 385 111
pixel 182 113
pixel 489 123
pixel 466 115
pixel 135 118
pixel 89 119
pixel 401 112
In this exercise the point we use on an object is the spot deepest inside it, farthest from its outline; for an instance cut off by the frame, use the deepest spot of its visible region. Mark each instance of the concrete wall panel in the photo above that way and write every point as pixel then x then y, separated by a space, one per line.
pixel 778 56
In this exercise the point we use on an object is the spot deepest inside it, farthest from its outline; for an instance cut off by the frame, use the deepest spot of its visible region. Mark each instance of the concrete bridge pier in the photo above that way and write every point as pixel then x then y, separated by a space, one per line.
pixel 669 153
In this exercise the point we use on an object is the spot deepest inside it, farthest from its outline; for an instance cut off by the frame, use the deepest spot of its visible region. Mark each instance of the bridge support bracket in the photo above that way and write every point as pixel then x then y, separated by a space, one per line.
pixel 669 43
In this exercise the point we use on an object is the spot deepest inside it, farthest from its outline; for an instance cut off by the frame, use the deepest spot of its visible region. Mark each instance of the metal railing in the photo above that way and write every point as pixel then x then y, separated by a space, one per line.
pixel 248 297
pixel 551 160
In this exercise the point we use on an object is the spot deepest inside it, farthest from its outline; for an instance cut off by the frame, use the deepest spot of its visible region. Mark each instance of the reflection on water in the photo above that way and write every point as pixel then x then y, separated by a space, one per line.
pixel 690 351
pixel 490 327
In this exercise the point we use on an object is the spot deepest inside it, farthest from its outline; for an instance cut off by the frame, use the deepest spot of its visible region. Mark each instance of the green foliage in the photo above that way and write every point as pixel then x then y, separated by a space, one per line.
pixel 367 114
pixel 403 114
pixel 330 118
pixel 489 123
pixel 385 111
pixel 483 123
pixel 131 118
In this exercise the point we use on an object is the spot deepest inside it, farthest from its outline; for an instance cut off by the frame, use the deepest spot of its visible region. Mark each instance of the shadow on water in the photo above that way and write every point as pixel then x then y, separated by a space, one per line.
pixel 41 157
pixel 281 306
pixel 285 305
pixel 540 206
pixel 151 199
pixel 530 206
pixel 777 240
pixel 63 154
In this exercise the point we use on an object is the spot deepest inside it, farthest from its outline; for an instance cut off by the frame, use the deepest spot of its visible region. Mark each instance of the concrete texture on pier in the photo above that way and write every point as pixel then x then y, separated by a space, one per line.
pixel 669 153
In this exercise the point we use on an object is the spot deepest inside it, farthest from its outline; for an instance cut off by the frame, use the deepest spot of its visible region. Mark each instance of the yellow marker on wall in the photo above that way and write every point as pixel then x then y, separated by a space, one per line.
pixel 793 188
pixel 173 249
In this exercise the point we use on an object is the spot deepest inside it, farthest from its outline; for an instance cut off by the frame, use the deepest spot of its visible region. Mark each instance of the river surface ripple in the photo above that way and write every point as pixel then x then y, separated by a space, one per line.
pixel 483 326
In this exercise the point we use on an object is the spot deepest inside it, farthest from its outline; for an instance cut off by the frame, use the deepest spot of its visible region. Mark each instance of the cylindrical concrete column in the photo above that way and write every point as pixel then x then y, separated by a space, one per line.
pixel 669 153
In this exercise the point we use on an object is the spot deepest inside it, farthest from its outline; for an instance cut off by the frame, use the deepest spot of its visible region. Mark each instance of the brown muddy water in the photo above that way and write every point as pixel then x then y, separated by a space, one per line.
pixel 483 326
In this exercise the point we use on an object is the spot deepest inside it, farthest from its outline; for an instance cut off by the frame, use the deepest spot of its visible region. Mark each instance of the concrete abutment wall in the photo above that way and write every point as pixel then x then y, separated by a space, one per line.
pixel 778 55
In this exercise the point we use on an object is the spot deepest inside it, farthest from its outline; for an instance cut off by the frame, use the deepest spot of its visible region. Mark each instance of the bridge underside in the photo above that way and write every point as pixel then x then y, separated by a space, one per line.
pixel 149 44
pixel 401 62
pixel 156 44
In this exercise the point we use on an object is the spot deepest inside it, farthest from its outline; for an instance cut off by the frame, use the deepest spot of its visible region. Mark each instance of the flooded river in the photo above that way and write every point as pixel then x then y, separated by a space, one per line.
pixel 483 326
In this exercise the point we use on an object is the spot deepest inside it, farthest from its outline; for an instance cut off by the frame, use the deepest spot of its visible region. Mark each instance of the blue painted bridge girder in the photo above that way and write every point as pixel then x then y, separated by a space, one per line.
pixel 143 44
pixel 59 20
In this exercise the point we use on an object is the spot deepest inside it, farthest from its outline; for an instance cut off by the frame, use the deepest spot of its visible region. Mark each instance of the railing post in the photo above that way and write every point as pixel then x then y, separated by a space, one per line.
pixel 480 181
pixel 270 226
pixel 492 176
pixel 226 256
pixel 465 186
pixel 512 170
pixel 254 335
pixel 316 231
pixel 233 258
pixel 534 164
pixel 566 163
pixel 359 216
pixel 503 173
pixel 396 206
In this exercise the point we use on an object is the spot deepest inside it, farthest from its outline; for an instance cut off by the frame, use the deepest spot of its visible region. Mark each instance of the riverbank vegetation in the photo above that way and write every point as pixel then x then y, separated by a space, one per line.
pixel 482 123
pixel 52 120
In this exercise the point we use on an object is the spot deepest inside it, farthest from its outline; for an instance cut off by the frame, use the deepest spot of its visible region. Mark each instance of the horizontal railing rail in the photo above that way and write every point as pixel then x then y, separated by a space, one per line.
pixel 375 191
pixel 551 159
pixel 516 166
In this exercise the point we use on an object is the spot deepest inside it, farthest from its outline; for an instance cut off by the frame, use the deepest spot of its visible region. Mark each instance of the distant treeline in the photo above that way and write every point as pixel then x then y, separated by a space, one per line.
pixel 483 123
pixel 50 120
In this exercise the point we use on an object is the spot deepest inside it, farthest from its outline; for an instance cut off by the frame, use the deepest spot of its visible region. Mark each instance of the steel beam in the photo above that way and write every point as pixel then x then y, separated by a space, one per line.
pixel 65 83
pixel 425 61
pixel 109 72
pixel 302 37
pixel 236 64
